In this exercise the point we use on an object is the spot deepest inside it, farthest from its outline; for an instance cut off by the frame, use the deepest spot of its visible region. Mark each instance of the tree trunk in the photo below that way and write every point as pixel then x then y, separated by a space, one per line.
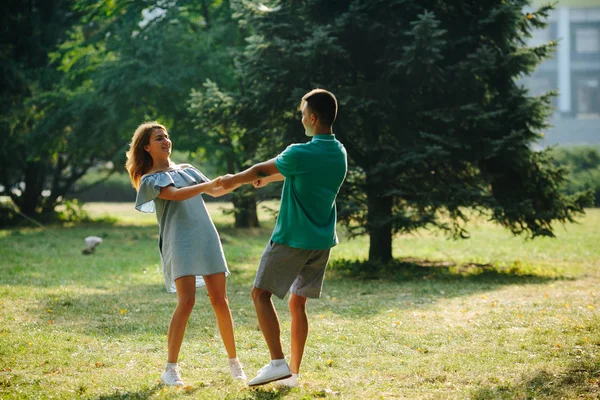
pixel 379 225
pixel 244 204
pixel 31 197
pixel 206 14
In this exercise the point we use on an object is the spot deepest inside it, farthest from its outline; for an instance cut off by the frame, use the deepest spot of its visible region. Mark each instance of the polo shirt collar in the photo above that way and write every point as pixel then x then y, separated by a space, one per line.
pixel 327 137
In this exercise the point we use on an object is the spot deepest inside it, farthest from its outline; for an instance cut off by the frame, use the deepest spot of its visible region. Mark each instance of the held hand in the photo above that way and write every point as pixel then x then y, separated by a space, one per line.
pixel 260 183
pixel 215 183
pixel 226 182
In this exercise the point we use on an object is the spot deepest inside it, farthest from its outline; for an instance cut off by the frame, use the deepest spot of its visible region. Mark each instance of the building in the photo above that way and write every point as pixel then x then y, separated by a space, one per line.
pixel 574 71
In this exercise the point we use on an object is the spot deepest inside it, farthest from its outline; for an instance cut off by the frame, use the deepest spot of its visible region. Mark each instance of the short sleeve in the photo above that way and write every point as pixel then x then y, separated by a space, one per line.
pixel 197 175
pixel 149 189
pixel 287 161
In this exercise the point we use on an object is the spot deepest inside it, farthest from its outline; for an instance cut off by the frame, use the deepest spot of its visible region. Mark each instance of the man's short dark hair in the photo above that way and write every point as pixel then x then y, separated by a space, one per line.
pixel 323 104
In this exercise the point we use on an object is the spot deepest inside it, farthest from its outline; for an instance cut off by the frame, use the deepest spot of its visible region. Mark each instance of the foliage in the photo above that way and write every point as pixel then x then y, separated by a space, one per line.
pixel 158 66
pixel 73 212
pixel 114 188
pixel 39 149
pixel 430 111
pixel 226 142
pixel 8 214
pixel 583 164
pixel 104 68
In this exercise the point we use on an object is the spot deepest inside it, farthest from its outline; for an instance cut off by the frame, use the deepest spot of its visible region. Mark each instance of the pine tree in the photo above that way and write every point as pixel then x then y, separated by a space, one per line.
pixel 431 113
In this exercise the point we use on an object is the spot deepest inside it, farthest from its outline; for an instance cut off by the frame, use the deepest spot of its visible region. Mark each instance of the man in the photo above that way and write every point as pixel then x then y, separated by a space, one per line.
pixel 297 254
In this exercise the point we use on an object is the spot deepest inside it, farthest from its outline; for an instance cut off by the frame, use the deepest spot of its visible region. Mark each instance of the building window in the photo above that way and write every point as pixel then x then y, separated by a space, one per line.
pixel 587 95
pixel 587 40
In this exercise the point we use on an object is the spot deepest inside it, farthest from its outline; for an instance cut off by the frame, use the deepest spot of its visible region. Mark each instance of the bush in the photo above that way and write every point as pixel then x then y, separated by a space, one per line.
pixel 583 163
pixel 117 188
pixel 73 212
pixel 8 215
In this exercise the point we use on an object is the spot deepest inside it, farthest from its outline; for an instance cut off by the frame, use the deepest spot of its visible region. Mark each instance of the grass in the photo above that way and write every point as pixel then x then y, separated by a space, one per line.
pixel 493 317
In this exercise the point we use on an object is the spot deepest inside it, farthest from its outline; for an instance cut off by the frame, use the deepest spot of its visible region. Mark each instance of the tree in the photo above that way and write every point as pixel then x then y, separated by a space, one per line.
pixel 430 111
pixel 31 149
pixel 112 66
pixel 217 118
pixel 153 66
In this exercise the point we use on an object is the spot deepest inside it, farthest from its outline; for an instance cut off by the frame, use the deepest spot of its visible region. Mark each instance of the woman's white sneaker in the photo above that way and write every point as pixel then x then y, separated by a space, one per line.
pixel 236 368
pixel 291 382
pixel 171 377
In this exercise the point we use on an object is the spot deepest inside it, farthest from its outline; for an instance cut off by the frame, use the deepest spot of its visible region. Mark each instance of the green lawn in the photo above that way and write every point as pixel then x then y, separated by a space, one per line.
pixel 493 317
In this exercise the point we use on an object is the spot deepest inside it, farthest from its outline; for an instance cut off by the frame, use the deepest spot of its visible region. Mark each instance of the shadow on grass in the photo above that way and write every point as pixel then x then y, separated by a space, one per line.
pixel 357 289
pixel 579 380
pixel 413 269
pixel 141 394
pixel 267 394
pixel 194 392
pixel 282 392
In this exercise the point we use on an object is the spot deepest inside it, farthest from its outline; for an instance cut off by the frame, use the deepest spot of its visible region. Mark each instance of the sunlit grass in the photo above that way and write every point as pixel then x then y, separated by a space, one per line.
pixel 93 327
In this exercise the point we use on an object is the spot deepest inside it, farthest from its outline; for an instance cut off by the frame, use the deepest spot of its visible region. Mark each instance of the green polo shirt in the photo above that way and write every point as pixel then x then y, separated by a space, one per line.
pixel 313 172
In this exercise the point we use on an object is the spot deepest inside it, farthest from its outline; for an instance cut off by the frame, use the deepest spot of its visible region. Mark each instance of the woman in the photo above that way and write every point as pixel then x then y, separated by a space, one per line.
pixel 190 248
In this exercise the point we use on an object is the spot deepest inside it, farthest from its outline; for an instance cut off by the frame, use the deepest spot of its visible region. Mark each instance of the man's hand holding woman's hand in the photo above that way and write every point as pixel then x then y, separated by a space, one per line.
pixel 227 182
pixel 214 184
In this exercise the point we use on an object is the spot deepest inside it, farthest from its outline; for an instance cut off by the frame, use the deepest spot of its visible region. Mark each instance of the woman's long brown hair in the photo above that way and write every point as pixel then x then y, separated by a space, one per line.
pixel 139 161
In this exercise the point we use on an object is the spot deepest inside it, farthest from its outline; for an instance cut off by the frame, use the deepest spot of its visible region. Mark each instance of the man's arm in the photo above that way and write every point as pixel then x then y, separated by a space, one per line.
pixel 259 183
pixel 258 171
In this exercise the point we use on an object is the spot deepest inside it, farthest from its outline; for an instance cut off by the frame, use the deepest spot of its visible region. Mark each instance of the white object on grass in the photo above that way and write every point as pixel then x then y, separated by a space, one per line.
pixel 91 242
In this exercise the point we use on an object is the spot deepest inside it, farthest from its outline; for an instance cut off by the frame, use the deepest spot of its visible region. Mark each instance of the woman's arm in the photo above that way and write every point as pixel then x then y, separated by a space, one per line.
pixel 219 191
pixel 184 193
pixel 254 173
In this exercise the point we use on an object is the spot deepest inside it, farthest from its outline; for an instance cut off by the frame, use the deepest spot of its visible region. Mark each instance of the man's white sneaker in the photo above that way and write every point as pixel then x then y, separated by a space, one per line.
pixel 171 377
pixel 271 373
pixel 237 371
pixel 291 382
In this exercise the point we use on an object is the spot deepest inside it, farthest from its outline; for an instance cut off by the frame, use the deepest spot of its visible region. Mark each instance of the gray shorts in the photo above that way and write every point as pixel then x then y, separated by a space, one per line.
pixel 284 268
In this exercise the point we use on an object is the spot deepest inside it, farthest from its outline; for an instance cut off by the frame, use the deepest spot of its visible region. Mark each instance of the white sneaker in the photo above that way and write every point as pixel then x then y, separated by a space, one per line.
pixel 291 382
pixel 171 377
pixel 271 373
pixel 237 372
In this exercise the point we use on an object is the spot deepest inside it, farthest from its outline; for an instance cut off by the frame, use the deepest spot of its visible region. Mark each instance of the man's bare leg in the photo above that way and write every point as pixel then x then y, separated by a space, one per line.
pixel 268 321
pixel 299 330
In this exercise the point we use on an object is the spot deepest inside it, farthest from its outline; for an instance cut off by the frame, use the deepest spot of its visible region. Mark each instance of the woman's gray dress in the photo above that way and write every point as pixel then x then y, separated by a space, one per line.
pixel 188 240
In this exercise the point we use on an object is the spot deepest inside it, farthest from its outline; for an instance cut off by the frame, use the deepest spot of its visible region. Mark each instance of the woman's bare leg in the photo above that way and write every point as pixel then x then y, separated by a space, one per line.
pixel 217 290
pixel 186 297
